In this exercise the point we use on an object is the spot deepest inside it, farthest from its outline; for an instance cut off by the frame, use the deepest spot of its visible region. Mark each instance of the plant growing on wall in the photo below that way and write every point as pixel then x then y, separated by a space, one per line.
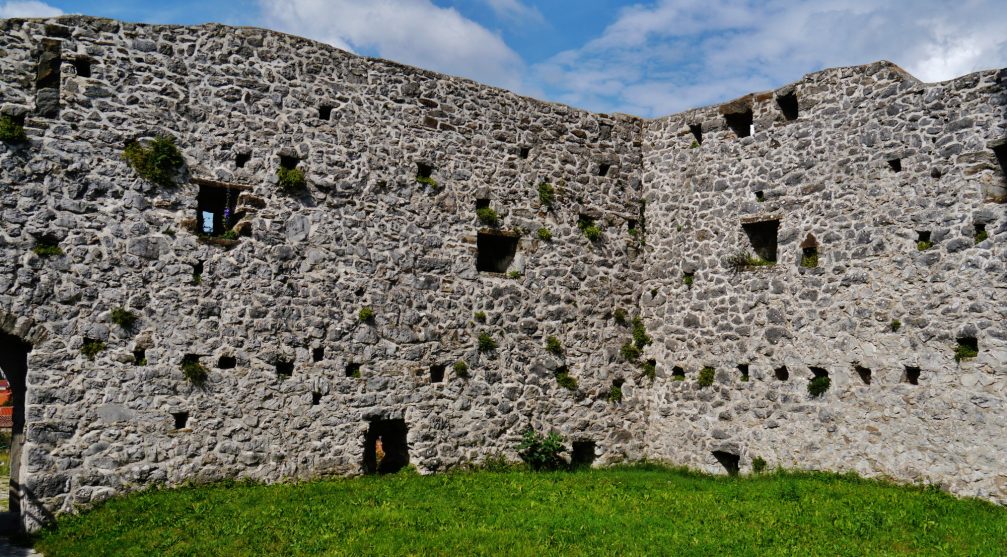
pixel 588 227
pixel 965 351
pixel 546 195
pixel 818 386
pixel 553 346
pixel 630 352
pixel 366 314
pixel 809 260
pixel 742 260
pixel 649 369
pixel 565 380
pixel 11 131
pixel 614 394
pixel 488 216
pixel 544 234
pixel 480 316
pixel 92 348
pixel 758 465
pixel 291 179
pixel 158 163
pixel 486 342
pixel 706 376
pixel 123 318
pixel 640 337
pixel 541 452
pixel 620 316
pixel 895 325
pixel 427 181
pixel 47 248
pixel 924 245
pixel 461 369
pixel 194 371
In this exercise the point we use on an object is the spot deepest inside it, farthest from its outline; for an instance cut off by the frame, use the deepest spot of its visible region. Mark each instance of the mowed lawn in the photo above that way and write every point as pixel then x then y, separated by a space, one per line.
pixel 621 511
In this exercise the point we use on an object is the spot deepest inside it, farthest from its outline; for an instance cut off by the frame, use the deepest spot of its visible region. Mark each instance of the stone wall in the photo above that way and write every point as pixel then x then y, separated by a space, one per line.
pixel 274 314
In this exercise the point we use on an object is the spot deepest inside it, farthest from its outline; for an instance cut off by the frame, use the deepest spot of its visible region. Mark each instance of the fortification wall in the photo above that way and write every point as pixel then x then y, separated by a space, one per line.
pixel 274 314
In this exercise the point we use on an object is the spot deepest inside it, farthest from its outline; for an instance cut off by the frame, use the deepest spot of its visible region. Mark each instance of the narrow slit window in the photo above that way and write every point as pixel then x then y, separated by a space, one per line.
pixel 895 165
pixel 523 152
pixel 788 105
pixel 316 398
pixel 317 354
pixel 496 252
pixel 697 133
pixel 740 123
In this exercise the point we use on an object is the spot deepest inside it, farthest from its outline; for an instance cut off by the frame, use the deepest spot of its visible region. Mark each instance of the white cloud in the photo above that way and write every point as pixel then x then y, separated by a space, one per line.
pixel 29 8
pixel 672 55
pixel 414 32
pixel 516 11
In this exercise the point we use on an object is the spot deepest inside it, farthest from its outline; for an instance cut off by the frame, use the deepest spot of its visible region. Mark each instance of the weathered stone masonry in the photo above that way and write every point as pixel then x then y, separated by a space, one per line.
pixel 300 386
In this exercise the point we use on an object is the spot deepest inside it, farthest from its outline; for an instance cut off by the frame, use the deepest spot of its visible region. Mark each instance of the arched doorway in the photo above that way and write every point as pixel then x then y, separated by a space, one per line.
pixel 14 364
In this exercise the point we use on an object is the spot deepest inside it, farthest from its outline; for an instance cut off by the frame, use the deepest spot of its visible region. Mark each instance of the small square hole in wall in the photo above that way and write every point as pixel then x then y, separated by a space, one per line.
pixel 729 461
pixel 140 357
pixel 969 346
pixel 979 232
pixel 923 241
pixel 423 170
pixel 482 203
pixel 583 454
pixel 760 196
pixel 353 370
pixel 316 398
pixel 82 66
pixel 495 252
pixel 284 368
pixel 241 159
pixel 762 235
pixel 289 162
pixel 181 419
pixel 631 225
pixel 324 112
pixel 437 373
pixel 895 165
pixel 788 105
pixel 743 370
pixel 227 362
pixel 523 152
pixel 864 373
pixel 740 123
pixel 781 373
pixel 603 168
pixel 678 373
pixel 317 354
pixel 911 375
pixel 697 133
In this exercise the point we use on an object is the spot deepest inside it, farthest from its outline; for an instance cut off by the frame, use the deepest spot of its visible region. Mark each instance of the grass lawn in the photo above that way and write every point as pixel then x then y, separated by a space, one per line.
pixel 622 511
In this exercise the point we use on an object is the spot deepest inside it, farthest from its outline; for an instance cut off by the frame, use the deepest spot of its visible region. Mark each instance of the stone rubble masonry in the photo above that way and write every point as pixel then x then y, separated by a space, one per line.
pixel 285 298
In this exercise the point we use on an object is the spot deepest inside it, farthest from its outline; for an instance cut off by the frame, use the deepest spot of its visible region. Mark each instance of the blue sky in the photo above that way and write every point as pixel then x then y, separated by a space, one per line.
pixel 644 57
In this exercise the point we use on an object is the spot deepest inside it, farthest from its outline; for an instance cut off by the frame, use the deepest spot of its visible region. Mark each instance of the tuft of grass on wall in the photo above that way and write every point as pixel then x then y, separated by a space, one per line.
pixel 159 162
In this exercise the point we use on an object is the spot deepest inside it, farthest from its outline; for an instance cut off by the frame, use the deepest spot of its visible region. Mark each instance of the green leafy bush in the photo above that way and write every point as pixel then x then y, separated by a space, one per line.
pixel 47 248
pixel 158 163
pixel 291 179
pixel 541 452
pixel 924 245
pixel 553 346
pixel 565 380
pixel 706 376
pixel 461 369
pixel 965 351
pixel 649 369
pixel 758 465
pixel 630 352
pixel 818 385
pixel 514 274
pixel 480 316
pixel 592 232
pixel 92 348
pixel 194 371
pixel 488 216
pixel 366 314
pixel 615 394
pixel 486 342
pixel 546 194
pixel 11 131
pixel 123 318
pixel 427 181
pixel 895 325
pixel 620 316
pixel 981 236
pixel 640 336
pixel 809 261
pixel 688 278
pixel 544 234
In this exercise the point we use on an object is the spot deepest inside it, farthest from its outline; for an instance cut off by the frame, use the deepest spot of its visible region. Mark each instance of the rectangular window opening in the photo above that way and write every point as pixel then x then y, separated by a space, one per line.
pixel 317 354
pixel 353 370
pixel 215 209
pixel 740 123
pixel 423 170
pixel 760 196
pixel 316 398
pixel 227 362
pixel 1000 151
pixel 895 165
pixel 523 152
pixel 809 257
pixel 437 373
pixel 241 159
pixel 743 370
pixel 289 162
pixel 482 203
pixel 324 112
pixel 181 419
pixel 697 133
pixel 762 235
pixel 284 368
pixel 495 252
pixel 781 373
pixel 979 232
pixel 788 105
pixel 678 373
pixel 140 357
pixel 385 447
pixel 82 66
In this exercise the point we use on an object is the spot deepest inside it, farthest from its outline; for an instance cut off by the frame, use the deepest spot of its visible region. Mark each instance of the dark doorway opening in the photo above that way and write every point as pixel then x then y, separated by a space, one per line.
pixel 740 123
pixel 385 447
pixel 762 236
pixel 495 252
pixel 729 461
pixel 14 365
pixel 582 455
pixel 788 105
pixel 215 209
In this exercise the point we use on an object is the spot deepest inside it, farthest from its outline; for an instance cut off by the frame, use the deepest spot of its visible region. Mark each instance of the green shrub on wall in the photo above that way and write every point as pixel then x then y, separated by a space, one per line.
pixel 158 163
pixel 123 318
pixel 11 131
pixel 291 179
pixel 706 376
pixel 541 452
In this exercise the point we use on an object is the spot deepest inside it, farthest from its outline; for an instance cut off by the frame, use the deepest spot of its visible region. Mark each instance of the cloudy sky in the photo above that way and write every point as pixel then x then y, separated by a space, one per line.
pixel 645 57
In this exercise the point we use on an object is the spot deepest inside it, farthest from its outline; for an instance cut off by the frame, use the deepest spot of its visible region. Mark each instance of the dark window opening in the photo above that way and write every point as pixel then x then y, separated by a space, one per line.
pixel 895 164
pixel 697 132
pixel 437 373
pixel 631 224
pixel 788 105
pixel 181 419
pixel 241 159
pixel 583 454
pixel 325 112
pixel 284 368
pixel 316 398
pixel 762 236
pixel 912 375
pixel 729 461
pixel 678 373
pixel 922 235
pixel 423 170
pixel 289 162
pixel 82 66
pixel 523 152
pixel 781 373
pixel 227 362
pixel 495 252
pixel 215 210
pixel 740 123
pixel 1000 151
pixel 979 232
pixel 482 203
pixel 197 268
pixel 317 354
pixel 603 169
pixel 743 370
pixel 140 357
pixel 809 257
pixel 968 344
pixel 760 196
pixel 864 373
pixel 385 447
pixel 353 370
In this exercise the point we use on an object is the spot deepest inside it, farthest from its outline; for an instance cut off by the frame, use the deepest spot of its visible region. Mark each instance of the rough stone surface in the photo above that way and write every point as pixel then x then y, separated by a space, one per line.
pixel 289 290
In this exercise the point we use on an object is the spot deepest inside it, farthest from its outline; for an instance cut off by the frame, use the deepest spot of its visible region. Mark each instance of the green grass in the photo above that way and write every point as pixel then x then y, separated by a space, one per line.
pixel 628 511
